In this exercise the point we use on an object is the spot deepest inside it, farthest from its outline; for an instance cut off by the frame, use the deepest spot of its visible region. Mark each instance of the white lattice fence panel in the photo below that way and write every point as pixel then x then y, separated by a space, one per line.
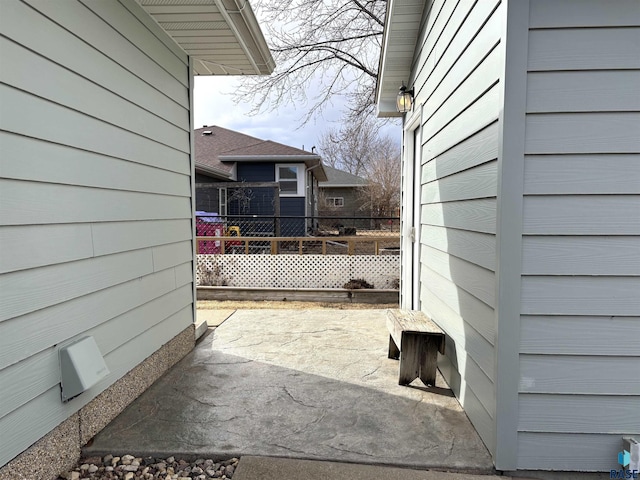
pixel 297 271
pixel 383 271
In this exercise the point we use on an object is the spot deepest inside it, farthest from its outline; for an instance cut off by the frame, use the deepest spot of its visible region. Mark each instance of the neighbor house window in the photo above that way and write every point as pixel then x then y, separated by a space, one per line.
pixel 335 202
pixel 291 180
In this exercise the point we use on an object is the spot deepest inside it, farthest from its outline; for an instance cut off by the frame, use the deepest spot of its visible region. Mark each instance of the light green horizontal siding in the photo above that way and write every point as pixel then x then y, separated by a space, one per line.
pixel 457 67
pixel 95 200
pixel 581 243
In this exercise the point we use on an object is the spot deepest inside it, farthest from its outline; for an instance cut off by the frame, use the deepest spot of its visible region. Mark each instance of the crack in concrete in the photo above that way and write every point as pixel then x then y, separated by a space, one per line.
pixel 227 363
pixel 291 341
pixel 320 331
pixel 201 402
pixel 350 451
pixel 306 425
pixel 247 345
pixel 450 449
pixel 289 449
pixel 371 373
pixel 320 418
pixel 232 340
pixel 299 402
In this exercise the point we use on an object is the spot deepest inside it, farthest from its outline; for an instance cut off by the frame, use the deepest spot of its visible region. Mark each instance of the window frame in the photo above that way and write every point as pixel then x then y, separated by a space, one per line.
pixel 331 202
pixel 299 167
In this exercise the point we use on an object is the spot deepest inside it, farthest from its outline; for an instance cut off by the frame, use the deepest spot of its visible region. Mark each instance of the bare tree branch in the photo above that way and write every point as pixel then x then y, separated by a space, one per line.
pixel 358 148
pixel 324 49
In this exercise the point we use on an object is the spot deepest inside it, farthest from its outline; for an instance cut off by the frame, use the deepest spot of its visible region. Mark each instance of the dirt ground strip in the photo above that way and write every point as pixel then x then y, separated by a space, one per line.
pixel 283 305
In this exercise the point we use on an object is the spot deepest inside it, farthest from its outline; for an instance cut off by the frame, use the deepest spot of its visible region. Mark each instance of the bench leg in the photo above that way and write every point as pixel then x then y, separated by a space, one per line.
pixel 429 360
pixel 394 352
pixel 409 358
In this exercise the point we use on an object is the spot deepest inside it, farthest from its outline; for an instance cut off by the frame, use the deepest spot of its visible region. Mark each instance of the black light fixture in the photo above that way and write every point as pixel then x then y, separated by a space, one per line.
pixel 404 102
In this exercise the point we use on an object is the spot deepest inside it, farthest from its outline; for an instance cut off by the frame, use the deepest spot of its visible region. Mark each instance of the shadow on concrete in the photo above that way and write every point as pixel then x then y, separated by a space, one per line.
pixel 313 384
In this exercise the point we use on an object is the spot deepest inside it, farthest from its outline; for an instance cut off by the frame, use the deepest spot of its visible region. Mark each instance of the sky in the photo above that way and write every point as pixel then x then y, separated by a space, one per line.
pixel 214 104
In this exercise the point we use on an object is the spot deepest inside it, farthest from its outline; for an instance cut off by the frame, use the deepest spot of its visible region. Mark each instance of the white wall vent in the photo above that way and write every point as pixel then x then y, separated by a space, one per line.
pixel 81 367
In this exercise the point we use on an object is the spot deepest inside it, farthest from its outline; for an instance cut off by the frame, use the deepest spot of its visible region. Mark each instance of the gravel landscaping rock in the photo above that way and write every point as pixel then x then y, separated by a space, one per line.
pixel 129 467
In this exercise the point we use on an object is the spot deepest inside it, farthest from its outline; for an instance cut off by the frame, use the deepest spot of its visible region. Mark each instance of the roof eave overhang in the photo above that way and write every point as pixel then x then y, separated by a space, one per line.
pixel 214 172
pixel 222 37
pixel 243 22
pixel 341 185
pixel 270 158
pixel 310 161
pixel 402 27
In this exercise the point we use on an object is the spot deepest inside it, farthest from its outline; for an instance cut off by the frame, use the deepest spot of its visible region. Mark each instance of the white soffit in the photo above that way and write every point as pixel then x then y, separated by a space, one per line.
pixel 402 27
pixel 222 36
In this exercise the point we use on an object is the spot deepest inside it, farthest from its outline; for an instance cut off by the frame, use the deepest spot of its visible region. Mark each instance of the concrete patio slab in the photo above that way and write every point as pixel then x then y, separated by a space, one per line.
pixel 301 384
pixel 213 318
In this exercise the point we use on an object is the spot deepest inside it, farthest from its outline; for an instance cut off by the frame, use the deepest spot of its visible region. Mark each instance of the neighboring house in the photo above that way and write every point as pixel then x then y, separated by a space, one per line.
pixel 521 187
pixel 341 194
pixel 227 155
pixel 96 210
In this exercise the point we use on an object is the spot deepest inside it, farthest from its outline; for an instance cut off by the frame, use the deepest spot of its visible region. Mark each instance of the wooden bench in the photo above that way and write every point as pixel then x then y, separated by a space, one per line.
pixel 416 341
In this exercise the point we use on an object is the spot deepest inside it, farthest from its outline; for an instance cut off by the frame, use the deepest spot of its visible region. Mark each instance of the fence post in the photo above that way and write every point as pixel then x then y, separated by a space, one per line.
pixel 351 245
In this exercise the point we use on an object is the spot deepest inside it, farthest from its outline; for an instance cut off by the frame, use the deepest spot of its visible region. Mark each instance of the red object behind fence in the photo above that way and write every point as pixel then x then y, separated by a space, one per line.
pixel 209 226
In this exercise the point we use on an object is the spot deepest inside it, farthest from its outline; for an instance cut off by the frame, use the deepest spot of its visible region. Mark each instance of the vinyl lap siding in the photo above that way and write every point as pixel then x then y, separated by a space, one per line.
pixel 261 198
pixel 95 200
pixel 256 172
pixel 581 236
pixel 456 74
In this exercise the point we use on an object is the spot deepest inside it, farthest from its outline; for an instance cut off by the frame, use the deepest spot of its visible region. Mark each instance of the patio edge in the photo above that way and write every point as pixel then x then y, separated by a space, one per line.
pixel 330 295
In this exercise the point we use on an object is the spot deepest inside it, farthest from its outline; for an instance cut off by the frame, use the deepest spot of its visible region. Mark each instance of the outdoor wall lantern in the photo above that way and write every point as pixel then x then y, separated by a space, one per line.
pixel 404 102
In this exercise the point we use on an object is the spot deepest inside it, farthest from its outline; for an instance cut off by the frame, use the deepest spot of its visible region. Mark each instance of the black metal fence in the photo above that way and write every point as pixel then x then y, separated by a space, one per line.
pixel 294 226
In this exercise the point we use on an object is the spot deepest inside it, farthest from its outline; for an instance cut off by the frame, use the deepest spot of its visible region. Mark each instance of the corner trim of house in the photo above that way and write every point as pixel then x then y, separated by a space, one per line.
pixel 511 144
pixel 60 449
pixel 192 155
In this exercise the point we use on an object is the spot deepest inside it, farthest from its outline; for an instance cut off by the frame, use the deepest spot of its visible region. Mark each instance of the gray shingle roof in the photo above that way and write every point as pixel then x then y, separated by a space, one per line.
pixel 222 142
pixel 340 178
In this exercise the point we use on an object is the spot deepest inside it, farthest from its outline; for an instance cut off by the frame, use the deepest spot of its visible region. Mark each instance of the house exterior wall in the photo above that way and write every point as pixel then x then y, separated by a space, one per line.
pixel 530 251
pixel 262 203
pixel 352 202
pixel 292 207
pixel 457 66
pixel 256 172
pixel 262 199
pixel 579 355
pixel 95 200
pixel 207 198
pixel 201 178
